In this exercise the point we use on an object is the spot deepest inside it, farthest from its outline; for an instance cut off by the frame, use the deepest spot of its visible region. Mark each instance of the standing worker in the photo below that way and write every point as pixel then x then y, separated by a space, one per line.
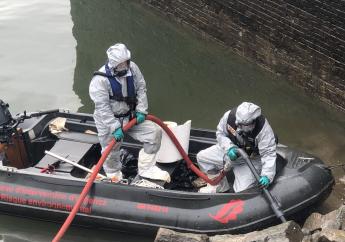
pixel 118 90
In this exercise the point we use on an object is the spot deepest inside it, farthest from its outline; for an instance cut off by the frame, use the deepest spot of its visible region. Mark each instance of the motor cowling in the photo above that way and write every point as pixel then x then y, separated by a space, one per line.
pixel 6 123
pixel 5 115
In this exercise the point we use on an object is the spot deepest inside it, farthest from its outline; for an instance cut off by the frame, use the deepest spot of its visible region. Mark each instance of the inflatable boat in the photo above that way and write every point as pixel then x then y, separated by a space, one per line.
pixel 34 184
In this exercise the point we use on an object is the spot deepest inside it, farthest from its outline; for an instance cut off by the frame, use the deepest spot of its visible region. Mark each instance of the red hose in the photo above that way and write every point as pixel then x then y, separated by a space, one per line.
pixel 88 185
pixel 105 154
pixel 190 164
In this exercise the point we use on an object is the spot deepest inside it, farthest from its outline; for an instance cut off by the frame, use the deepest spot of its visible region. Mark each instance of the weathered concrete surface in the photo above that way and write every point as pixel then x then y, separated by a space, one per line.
pixel 332 220
pixel 286 232
pixel 329 235
pixel 167 235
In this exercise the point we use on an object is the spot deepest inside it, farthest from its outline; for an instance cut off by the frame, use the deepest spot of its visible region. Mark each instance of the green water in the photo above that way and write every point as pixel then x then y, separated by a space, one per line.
pixel 49 50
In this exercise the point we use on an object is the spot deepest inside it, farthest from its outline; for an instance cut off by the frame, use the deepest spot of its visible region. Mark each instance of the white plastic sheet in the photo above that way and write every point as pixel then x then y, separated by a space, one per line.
pixel 168 152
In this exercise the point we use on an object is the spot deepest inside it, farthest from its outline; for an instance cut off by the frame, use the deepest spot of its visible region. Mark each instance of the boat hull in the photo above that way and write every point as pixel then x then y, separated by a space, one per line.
pixel 123 207
pixel 301 181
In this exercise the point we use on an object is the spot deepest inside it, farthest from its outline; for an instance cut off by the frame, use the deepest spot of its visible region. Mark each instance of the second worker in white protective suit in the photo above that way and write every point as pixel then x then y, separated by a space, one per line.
pixel 118 90
pixel 259 140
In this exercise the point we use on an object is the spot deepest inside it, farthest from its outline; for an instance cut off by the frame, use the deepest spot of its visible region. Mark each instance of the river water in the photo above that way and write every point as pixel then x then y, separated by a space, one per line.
pixel 49 50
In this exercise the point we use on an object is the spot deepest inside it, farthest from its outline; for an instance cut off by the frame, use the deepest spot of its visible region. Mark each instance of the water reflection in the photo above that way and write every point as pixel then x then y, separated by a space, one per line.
pixel 37 55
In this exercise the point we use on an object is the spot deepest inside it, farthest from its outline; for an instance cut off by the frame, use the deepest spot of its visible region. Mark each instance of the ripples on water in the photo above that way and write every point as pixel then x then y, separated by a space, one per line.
pixel 37 54
pixel 14 229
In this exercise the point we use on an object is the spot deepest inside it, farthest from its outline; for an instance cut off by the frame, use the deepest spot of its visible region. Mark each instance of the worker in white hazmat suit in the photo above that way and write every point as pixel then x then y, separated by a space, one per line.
pixel 118 90
pixel 241 127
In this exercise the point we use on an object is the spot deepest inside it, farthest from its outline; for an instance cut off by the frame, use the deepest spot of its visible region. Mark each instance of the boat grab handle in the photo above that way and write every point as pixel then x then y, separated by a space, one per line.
pixel 177 197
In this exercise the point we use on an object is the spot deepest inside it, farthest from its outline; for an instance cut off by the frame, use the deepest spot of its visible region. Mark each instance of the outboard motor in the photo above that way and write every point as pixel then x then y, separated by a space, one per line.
pixel 7 123
pixel 12 139
pixel 13 150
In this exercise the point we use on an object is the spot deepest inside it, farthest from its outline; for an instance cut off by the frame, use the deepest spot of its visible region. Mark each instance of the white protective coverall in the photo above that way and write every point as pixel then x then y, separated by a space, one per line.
pixel 105 108
pixel 2 156
pixel 2 153
pixel 210 160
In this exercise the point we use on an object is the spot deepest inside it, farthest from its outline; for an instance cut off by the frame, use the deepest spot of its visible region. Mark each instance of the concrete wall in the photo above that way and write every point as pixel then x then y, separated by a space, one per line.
pixel 302 40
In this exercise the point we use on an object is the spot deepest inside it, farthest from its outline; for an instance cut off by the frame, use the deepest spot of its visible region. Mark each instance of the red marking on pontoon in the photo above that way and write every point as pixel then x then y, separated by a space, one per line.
pixel 229 211
pixel 47 199
pixel 42 203
pixel 152 208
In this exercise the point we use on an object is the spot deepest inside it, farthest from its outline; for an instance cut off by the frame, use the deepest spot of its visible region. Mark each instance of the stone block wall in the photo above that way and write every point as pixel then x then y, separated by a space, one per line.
pixel 302 40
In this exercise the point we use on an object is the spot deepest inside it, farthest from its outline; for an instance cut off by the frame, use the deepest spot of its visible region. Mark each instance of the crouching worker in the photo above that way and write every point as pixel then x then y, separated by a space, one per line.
pixel 254 135
pixel 118 90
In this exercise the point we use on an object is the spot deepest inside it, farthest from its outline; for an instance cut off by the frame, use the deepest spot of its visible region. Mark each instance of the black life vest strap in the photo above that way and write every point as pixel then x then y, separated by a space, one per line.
pixel 232 123
pixel 99 73
pixel 232 118
pixel 259 124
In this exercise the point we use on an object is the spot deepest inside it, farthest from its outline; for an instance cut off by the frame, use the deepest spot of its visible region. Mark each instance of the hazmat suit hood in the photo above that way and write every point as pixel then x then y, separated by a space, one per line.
pixel 117 54
pixel 247 112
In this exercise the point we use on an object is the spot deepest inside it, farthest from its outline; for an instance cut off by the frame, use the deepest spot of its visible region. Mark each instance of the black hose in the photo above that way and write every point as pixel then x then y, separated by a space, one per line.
pixel 273 203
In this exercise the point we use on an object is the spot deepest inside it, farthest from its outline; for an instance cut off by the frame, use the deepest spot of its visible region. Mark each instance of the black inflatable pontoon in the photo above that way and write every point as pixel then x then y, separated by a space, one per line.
pixel 301 180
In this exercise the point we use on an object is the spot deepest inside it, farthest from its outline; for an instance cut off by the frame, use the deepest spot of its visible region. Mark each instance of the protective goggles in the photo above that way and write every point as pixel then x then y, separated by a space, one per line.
pixel 248 127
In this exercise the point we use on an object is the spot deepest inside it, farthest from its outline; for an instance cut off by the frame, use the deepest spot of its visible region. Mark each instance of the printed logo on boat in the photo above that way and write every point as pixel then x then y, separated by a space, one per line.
pixel 44 198
pixel 229 211
pixel 152 208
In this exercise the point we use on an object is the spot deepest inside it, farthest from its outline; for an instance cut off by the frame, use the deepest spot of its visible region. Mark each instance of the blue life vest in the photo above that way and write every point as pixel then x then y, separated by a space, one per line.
pixel 116 88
